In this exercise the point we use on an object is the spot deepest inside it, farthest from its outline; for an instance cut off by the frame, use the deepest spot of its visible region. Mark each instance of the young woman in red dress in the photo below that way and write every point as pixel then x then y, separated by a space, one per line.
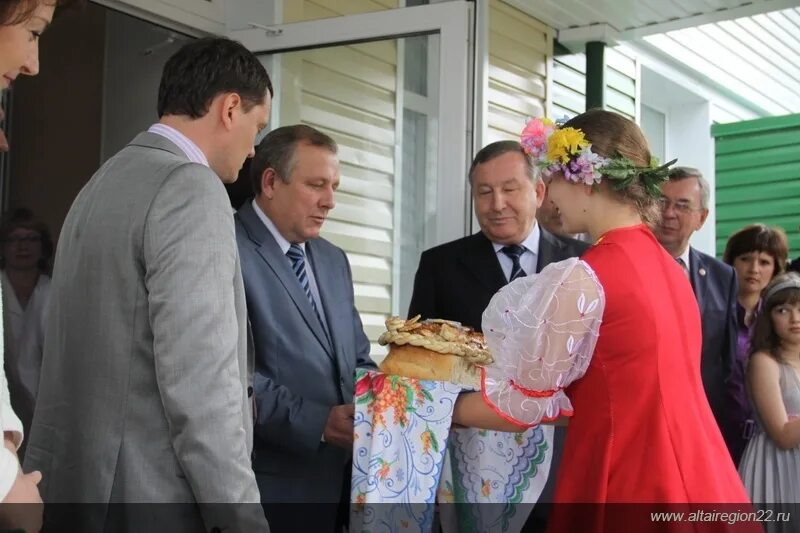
pixel 640 427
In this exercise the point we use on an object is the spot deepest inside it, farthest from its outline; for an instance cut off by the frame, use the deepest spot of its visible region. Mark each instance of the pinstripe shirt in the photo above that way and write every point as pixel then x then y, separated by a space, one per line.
pixel 192 151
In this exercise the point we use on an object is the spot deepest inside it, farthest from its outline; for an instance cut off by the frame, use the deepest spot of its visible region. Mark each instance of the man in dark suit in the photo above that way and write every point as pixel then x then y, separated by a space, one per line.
pixel 456 280
pixel 684 210
pixel 308 336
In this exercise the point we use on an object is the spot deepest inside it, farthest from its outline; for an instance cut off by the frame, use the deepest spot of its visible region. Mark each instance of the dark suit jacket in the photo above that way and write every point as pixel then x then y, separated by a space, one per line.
pixel 456 280
pixel 301 370
pixel 716 290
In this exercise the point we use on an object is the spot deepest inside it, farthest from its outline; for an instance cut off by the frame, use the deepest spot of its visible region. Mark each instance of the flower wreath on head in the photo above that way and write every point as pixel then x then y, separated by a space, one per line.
pixel 555 148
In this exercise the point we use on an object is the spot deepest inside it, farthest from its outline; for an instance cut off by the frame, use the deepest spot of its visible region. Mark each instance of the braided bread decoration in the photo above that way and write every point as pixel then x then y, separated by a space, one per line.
pixel 451 339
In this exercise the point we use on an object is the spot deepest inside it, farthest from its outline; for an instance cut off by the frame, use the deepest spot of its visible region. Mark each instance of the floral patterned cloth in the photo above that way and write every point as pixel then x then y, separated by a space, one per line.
pixel 401 429
pixel 404 444
pixel 506 470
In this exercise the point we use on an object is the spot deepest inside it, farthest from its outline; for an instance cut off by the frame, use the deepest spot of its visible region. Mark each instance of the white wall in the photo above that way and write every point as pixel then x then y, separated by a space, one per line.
pixel 687 136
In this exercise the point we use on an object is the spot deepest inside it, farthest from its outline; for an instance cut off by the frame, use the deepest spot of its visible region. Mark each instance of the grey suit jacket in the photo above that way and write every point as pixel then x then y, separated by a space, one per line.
pixel 302 368
pixel 143 393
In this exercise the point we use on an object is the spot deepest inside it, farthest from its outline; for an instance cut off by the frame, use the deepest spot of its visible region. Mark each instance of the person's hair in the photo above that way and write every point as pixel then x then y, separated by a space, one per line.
pixel 206 68
pixel 18 11
pixel 682 173
pixel 277 150
pixel 498 148
pixel 764 337
pixel 759 238
pixel 794 266
pixel 613 135
pixel 24 218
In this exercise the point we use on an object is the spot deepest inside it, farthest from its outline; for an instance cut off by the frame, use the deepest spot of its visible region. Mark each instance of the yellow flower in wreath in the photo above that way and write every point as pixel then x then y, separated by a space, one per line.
pixel 564 143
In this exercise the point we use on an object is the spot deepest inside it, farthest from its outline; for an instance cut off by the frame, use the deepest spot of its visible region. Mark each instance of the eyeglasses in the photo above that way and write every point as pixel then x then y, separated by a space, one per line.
pixel 681 206
pixel 30 239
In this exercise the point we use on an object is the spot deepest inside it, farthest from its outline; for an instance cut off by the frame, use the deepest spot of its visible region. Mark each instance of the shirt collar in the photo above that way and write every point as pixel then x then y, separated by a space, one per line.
pixel 188 147
pixel 685 257
pixel 280 239
pixel 531 242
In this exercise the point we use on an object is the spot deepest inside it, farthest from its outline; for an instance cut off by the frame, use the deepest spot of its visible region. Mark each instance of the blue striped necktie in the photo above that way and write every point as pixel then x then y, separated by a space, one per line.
pixel 514 252
pixel 298 258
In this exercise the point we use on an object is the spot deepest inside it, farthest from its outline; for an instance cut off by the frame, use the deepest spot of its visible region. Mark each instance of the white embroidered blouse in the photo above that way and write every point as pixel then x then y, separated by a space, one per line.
pixel 542 330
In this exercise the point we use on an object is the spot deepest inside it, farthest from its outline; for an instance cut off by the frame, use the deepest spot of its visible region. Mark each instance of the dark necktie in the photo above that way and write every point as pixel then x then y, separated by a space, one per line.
pixel 514 252
pixel 683 265
pixel 298 259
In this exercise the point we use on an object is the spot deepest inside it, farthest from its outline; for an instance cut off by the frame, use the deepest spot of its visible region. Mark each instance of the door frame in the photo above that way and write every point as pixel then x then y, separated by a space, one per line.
pixel 452 22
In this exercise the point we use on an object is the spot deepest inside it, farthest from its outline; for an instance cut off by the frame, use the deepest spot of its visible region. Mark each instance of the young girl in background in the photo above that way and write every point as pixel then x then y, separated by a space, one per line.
pixel 770 466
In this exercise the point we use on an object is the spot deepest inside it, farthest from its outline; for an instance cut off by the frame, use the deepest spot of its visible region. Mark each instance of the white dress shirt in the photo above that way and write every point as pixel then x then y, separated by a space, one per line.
pixel 528 258
pixel 685 258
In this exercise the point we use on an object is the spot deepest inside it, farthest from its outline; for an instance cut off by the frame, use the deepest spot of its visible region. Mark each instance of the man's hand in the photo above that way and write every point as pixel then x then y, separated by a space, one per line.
pixel 22 507
pixel 339 427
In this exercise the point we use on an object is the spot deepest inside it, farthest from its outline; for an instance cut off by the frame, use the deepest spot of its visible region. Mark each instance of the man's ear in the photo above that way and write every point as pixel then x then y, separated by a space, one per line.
pixel 540 189
pixel 231 102
pixel 268 179
pixel 703 217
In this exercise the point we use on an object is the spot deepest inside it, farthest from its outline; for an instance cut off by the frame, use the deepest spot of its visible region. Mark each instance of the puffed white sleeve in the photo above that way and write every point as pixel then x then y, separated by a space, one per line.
pixel 10 423
pixel 542 330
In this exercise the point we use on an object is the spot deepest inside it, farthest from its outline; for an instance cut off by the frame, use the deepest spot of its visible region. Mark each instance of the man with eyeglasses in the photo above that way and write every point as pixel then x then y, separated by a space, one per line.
pixel 684 209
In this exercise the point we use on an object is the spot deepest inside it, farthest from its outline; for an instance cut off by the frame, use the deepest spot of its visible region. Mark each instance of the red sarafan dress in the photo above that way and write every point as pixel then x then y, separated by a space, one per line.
pixel 641 430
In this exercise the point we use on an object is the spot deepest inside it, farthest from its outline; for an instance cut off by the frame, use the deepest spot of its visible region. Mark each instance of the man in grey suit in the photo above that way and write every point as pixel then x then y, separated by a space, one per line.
pixel 308 335
pixel 144 384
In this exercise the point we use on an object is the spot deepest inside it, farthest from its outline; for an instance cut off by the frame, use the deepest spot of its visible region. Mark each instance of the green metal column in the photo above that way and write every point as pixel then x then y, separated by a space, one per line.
pixel 595 74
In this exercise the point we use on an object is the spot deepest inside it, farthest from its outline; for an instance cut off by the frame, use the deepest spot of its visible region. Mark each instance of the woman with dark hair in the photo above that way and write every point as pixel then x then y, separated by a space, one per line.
pixel 25 261
pixel 770 465
pixel 610 342
pixel 22 22
pixel 757 253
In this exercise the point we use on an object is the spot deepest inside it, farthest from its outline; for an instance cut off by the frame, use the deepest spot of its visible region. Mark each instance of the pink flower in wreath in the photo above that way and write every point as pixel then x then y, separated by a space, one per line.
pixel 534 136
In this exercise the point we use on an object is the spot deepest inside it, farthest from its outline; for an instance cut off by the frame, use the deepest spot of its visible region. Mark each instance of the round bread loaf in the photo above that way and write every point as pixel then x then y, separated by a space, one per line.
pixel 421 363
pixel 436 350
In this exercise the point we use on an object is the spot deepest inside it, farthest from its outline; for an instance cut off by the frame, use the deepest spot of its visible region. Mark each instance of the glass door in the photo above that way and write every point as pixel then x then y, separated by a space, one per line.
pixel 391 87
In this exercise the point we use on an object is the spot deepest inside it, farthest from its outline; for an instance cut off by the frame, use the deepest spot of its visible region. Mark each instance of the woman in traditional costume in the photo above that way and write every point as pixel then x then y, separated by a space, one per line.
pixel 610 342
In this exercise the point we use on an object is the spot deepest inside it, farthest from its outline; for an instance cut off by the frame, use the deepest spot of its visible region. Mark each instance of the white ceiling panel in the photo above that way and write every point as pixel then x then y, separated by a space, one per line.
pixel 636 18
pixel 748 49
pixel 755 58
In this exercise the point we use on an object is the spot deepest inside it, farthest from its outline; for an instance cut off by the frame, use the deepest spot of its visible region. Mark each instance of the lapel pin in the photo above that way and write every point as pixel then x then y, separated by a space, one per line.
pixel 702 271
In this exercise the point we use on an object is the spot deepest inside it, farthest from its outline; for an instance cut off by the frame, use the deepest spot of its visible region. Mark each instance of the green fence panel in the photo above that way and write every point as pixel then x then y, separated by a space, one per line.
pixel 758 177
